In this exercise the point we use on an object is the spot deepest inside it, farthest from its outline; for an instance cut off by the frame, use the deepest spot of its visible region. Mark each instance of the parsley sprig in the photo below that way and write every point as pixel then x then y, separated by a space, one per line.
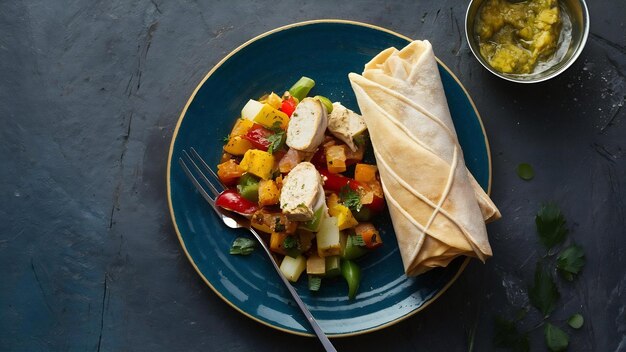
pixel 350 198
pixel 543 293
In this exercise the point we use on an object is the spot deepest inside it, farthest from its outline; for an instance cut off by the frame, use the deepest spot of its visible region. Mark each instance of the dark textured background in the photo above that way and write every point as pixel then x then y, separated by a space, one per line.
pixel 91 91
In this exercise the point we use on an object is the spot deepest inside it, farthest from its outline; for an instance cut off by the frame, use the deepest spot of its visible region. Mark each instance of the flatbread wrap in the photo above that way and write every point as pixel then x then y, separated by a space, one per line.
pixel 437 208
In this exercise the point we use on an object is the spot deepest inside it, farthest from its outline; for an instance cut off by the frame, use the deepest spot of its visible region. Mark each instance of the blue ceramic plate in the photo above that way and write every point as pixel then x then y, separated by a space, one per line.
pixel 325 51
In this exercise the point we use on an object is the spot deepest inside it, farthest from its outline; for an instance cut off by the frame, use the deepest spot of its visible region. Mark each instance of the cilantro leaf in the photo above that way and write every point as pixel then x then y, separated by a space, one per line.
pixel 242 246
pixel 525 171
pixel 225 139
pixel 550 225
pixel 350 198
pixel 278 226
pixel 570 261
pixel 556 339
pixel 576 321
pixel 544 293
pixel 276 127
pixel 506 335
pixel 290 242
pixel 277 140
pixel 357 240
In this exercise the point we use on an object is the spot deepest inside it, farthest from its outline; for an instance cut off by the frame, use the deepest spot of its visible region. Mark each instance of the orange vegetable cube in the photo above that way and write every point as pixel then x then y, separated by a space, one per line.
pixel 365 173
pixel 229 171
pixel 336 159
pixel 268 193
pixel 237 145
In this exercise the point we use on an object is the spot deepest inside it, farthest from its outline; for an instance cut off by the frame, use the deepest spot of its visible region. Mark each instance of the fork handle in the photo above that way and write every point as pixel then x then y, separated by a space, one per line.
pixel 328 346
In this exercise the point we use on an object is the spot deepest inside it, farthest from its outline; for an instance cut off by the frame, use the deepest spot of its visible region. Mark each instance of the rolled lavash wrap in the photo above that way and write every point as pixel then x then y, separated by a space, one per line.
pixel 437 208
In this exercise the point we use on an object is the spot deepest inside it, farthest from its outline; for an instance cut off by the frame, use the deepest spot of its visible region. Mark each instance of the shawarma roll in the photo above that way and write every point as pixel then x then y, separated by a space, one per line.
pixel 437 208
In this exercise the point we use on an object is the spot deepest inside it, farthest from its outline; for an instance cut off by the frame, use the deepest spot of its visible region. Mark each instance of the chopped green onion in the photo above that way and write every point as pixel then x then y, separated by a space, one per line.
pixel 326 102
pixel 314 283
pixel 301 88
pixel 242 246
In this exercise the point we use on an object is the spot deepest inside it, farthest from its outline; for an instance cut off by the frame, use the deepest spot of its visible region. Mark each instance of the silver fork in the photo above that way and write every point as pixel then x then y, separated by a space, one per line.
pixel 235 221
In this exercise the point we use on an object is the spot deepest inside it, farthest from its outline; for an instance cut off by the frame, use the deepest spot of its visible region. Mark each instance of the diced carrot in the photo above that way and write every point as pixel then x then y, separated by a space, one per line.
pixel 365 173
pixel 370 235
pixel 268 193
pixel 229 171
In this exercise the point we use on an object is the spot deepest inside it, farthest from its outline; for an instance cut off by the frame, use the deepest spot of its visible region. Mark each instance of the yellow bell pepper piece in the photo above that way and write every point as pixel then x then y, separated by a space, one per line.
pixel 268 116
pixel 345 219
pixel 268 193
pixel 242 126
pixel 237 145
pixel 274 100
pixel 365 173
pixel 258 163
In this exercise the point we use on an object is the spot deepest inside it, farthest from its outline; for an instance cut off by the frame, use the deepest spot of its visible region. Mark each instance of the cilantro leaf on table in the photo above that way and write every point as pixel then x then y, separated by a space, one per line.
pixel 543 293
pixel 556 339
pixel 570 261
pixel 550 225
pixel 525 171
pixel 242 246
pixel 350 198
pixel 506 335
pixel 576 321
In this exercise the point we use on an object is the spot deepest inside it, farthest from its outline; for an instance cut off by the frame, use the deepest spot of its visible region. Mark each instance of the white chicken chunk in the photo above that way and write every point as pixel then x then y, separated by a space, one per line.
pixel 307 125
pixel 345 124
pixel 300 192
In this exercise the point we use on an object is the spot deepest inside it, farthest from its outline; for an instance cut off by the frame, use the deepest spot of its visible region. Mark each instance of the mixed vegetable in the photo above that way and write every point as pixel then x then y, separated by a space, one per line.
pixel 286 163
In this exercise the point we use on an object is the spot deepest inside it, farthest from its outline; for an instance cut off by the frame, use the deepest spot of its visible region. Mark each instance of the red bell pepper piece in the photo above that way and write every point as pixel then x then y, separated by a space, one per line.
pixel 334 182
pixel 319 159
pixel 377 205
pixel 288 106
pixel 233 201
pixel 258 136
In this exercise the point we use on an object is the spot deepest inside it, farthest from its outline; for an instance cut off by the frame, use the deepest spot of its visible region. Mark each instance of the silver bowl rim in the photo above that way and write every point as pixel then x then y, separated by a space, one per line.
pixel 570 61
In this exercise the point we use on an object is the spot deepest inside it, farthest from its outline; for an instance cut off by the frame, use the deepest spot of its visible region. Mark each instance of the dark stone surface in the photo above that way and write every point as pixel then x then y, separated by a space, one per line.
pixel 90 93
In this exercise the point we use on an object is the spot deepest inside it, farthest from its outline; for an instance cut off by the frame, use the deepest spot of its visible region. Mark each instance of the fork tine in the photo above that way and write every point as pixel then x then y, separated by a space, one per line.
pixel 202 175
pixel 195 182
pixel 207 167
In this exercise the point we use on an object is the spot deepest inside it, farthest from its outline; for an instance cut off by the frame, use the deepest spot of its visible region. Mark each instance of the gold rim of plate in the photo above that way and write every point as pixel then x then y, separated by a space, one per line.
pixel 171 151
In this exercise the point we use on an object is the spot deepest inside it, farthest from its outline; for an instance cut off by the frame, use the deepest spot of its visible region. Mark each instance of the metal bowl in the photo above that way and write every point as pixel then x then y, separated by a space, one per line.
pixel 575 19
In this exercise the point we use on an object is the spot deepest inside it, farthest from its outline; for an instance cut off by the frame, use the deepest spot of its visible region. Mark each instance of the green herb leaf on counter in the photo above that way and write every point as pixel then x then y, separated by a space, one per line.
pixel 576 321
pixel 242 246
pixel 556 339
pixel 506 335
pixel 570 261
pixel 550 225
pixel 525 171
pixel 226 138
pixel 350 198
pixel 544 293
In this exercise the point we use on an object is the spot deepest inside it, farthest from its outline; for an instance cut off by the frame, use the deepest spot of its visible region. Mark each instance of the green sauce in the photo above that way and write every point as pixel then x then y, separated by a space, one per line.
pixel 515 36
